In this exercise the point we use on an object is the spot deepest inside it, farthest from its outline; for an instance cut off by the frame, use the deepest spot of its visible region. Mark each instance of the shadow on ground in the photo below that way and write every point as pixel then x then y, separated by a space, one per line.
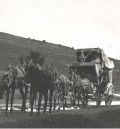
pixel 110 117
pixel 53 121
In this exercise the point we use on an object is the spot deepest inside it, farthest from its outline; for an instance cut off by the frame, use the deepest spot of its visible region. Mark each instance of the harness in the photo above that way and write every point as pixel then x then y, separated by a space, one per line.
pixel 109 89
pixel 9 78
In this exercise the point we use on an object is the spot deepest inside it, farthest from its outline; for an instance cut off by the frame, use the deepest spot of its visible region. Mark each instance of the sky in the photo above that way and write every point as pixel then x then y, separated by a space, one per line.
pixel 73 23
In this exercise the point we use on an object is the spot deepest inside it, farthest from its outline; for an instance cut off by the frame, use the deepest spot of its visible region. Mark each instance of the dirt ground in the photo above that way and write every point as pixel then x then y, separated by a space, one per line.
pixel 85 117
pixel 89 117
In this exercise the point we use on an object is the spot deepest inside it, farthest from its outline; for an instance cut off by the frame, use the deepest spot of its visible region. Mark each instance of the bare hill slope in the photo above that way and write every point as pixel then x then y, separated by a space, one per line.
pixel 11 47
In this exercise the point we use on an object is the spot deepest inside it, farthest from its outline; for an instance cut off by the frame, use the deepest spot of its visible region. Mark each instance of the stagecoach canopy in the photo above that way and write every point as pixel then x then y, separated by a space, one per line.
pixel 93 61
pixel 91 56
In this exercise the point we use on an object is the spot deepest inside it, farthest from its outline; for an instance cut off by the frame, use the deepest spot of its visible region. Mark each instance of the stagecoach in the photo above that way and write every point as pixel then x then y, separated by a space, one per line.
pixel 97 68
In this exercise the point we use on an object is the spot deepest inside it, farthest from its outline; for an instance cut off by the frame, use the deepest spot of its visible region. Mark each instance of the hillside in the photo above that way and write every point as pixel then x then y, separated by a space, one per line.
pixel 12 47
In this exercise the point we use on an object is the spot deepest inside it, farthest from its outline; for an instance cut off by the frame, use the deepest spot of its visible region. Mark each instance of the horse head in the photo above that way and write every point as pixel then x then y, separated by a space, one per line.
pixel 30 73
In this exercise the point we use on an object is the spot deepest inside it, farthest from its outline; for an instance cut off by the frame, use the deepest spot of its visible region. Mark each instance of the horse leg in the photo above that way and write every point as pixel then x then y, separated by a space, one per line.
pixel 59 101
pixel 74 97
pixel 23 98
pixel 66 100
pixel 74 101
pixel 54 104
pixel 26 92
pixel 50 100
pixel 46 99
pixel 110 100
pixel 63 101
pixel 39 103
pixel 54 97
pixel 86 102
pixel 78 100
pixel 99 100
pixel 32 101
pixel 35 103
pixel 106 100
pixel 12 97
pixel 7 98
pixel 30 96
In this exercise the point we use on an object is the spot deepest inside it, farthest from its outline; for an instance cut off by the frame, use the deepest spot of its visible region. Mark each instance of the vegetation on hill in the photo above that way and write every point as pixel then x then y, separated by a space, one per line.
pixel 13 47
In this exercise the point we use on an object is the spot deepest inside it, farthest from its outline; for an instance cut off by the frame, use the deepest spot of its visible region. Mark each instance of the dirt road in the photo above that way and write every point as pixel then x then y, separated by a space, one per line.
pixel 88 117
pixel 84 117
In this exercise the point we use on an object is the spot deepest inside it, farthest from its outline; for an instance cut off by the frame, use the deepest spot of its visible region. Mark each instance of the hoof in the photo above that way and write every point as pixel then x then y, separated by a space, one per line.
pixel 22 110
pixel 54 109
pixel 11 110
pixel 59 109
pixel 5 112
pixel 63 107
pixel 44 111
pixel 50 111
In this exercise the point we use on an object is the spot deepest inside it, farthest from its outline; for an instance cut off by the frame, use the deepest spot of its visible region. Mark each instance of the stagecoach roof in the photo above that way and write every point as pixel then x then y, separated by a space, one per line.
pixel 90 49
pixel 84 64
pixel 107 62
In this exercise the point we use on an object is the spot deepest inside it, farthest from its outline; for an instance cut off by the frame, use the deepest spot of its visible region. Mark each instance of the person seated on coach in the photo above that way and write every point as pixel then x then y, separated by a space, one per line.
pixel 97 59
pixel 81 58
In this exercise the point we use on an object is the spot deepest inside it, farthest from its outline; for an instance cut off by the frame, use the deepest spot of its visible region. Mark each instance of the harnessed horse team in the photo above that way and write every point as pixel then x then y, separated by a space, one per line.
pixel 61 89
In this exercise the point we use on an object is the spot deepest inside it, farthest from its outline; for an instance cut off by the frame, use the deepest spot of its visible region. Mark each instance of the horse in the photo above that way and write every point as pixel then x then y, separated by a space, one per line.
pixel 12 79
pixel 56 93
pixel 54 73
pixel 41 81
pixel 76 87
pixel 81 87
pixel 62 84
pixel 105 88
pixel 109 90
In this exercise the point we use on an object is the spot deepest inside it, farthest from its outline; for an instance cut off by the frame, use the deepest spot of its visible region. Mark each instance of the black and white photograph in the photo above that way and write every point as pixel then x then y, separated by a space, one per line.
pixel 59 64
